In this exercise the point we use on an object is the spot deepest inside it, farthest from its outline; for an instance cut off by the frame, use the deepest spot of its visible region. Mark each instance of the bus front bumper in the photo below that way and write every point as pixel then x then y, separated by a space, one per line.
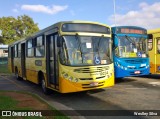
pixel 121 73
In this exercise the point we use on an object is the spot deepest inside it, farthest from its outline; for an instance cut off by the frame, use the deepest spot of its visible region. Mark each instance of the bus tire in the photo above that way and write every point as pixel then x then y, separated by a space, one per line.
pixel 43 86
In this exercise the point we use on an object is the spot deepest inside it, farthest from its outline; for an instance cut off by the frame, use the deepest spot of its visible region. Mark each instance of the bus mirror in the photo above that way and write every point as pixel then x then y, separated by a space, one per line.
pixel 110 41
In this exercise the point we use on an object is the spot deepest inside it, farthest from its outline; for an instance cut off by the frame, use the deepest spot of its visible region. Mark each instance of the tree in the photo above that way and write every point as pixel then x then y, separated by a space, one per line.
pixel 13 29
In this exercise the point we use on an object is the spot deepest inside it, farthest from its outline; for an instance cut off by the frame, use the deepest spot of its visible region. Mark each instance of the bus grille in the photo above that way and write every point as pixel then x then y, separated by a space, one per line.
pixel 136 61
pixel 92 78
pixel 89 86
pixel 91 70
pixel 86 78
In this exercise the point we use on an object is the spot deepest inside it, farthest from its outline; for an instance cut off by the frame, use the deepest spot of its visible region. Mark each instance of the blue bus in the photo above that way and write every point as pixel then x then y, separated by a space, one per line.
pixel 130 51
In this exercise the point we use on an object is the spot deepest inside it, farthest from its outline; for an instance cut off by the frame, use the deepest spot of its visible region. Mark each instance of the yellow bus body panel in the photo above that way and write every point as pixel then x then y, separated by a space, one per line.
pixel 9 65
pixel 154 56
pixel 68 85
pixel 17 63
pixel 32 69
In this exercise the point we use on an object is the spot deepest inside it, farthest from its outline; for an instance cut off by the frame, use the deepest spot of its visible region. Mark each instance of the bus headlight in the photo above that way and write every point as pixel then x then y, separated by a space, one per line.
pixel 65 75
pixel 70 78
pixel 147 66
pixel 118 64
pixel 76 80
pixel 122 67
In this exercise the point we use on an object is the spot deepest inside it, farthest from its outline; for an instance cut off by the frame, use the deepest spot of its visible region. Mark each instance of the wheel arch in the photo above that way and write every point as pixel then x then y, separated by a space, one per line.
pixel 40 76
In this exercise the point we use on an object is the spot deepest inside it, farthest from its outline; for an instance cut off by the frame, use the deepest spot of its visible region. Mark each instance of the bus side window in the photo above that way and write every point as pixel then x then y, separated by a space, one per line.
pixel 150 42
pixel 30 48
pixel 39 47
pixel 19 50
pixel 63 55
pixel 16 50
pixel 158 45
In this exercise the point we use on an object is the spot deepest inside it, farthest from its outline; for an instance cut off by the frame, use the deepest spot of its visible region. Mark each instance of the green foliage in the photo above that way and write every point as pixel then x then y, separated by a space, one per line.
pixel 14 29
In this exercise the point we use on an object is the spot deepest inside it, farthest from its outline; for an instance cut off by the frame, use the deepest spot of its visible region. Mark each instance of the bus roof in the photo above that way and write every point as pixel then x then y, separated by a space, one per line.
pixel 152 31
pixel 58 24
pixel 21 40
pixel 129 27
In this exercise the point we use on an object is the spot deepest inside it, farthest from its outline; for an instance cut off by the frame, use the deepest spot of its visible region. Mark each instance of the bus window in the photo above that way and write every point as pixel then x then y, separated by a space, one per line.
pixel 30 48
pixel 158 45
pixel 19 50
pixel 84 50
pixel 39 46
pixel 16 50
pixel 150 42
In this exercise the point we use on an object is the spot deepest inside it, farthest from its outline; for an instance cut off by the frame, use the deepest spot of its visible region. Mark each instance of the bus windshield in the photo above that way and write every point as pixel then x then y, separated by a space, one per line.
pixel 129 46
pixel 85 50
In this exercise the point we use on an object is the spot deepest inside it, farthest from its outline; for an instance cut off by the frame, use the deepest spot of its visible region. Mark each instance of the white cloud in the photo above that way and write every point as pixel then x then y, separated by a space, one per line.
pixel 15 10
pixel 148 16
pixel 54 9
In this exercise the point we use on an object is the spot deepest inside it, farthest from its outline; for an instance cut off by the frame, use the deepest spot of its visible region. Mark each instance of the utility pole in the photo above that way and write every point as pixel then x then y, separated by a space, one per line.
pixel 114 6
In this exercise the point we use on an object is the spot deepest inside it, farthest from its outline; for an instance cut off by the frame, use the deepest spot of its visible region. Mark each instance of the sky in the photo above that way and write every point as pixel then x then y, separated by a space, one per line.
pixel 143 13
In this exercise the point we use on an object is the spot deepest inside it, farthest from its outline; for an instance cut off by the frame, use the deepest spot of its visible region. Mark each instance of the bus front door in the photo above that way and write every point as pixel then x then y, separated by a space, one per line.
pixel 12 59
pixel 52 62
pixel 158 55
pixel 23 60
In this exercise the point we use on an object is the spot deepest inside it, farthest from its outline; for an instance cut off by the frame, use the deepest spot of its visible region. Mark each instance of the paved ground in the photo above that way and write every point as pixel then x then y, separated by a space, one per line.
pixel 133 93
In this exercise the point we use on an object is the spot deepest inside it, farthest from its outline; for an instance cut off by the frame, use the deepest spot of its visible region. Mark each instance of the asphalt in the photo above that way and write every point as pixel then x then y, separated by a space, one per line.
pixel 133 93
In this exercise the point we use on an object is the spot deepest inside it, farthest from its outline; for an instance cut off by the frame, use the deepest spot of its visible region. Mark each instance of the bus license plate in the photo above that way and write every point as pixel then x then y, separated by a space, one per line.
pixel 137 72
pixel 94 84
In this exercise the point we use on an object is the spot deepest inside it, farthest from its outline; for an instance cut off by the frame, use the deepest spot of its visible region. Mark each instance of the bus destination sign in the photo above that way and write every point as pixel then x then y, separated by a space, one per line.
pixel 132 31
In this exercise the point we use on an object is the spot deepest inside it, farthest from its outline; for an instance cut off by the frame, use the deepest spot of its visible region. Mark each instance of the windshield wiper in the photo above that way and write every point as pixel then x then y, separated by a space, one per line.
pixel 130 40
pixel 79 44
pixel 99 42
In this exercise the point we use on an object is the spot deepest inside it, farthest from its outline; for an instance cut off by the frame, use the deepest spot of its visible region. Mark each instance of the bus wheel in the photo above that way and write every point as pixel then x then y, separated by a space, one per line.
pixel 44 88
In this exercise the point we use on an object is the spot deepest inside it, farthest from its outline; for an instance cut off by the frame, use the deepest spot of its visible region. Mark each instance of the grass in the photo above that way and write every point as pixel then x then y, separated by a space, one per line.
pixel 9 103
pixel 4 68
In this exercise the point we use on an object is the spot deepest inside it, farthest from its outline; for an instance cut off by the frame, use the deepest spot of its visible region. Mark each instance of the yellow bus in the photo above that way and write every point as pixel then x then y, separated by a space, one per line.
pixel 154 50
pixel 68 56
